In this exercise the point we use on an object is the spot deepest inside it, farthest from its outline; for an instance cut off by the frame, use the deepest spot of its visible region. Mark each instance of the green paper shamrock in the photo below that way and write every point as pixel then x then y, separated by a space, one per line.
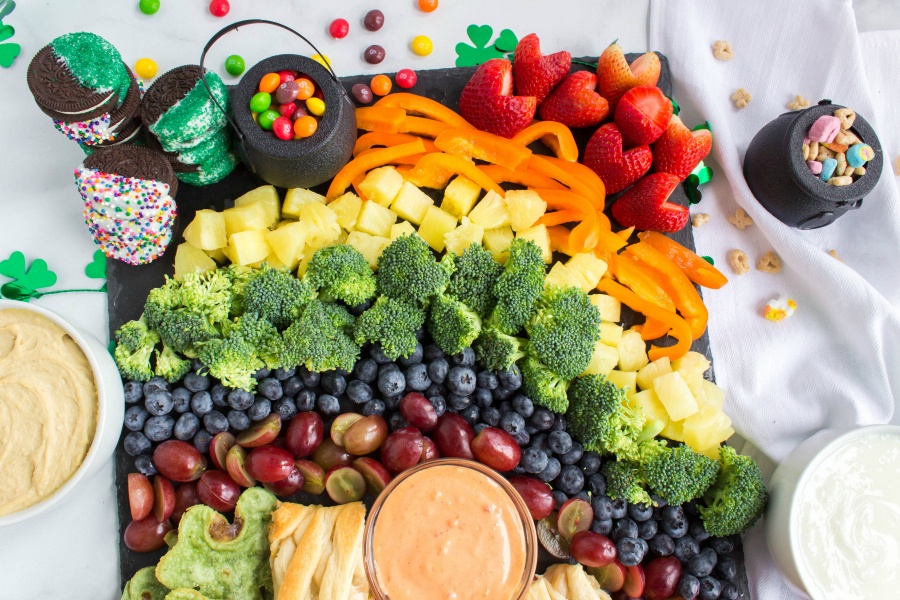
pixel 699 176
pixel 97 267
pixel 676 108
pixel 8 52
pixel 482 50
pixel 709 259
pixel 26 282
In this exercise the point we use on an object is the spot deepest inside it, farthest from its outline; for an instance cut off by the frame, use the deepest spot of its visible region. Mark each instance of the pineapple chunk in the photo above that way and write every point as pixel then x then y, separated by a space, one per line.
pixel 560 275
pixel 460 196
pixel 190 259
pixel 250 217
pixel 603 361
pixel 707 428
pixel 674 430
pixel 402 228
pixel 297 198
pixel 675 395
pixel 610 308
pixel 411 203
pixel 207 230
pixel 650 405
pixel 436 223
pixel 322 228
pixel 382 185
pixel 273 261
pixel 610 334
pixel 248 247
pixel 491 211
pixel 468 233
pixel 692 366
pixel 347 209
pixel 284 222
pixel 653 370
pixel 525 207
pixel 307 254
pixel 217 255
pixel 370 246
pixel 632 352
pixel 588 269
pixel 624 380
pixel 539 236
pixel 708 394
pixel 266 195
pixel 713 452
pixel 287 242
pixel 375 219
pixel 497 242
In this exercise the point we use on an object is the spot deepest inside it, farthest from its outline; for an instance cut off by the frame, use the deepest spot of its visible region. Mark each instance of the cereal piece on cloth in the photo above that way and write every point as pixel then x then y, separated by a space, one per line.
pixel 897 166
pixel 798 103
pixel 699 219
pixel 834 254
pixel 741 98
pixel 779 309
pixel 722 50
pixel 740 219
pixel 739 261
pixel 769 263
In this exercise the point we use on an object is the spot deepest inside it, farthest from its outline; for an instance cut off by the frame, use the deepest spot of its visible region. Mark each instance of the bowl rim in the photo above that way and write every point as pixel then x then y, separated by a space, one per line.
pixel 102 407
pixel 531 540
pixel 818 458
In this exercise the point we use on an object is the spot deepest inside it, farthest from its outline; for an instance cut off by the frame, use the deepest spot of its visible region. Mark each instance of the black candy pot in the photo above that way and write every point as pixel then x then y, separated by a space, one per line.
pixel 783 184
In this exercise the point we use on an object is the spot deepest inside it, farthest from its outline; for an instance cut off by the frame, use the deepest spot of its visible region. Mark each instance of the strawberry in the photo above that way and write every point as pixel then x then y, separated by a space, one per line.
pixel 486 102
pixel 615 76
pixel 642 115
pixel 535 74
pixel 617 169
pixel 644 205
pixel 575 103
pixel 680 150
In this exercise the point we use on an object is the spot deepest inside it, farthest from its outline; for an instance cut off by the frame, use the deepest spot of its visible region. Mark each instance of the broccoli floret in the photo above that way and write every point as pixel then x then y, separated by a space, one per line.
pixel 276 295
pixel 679 474
pixel 543 386
pixel 181 316
pixel 238 275
pixel 738 497
pixel 263 336
pixel 602 419
pixel 231 359
pixel 563 330
pixel 392 324
pixel 179 328
pixel 320 338
pixel 496 351
pixel 518 287
pixel 408 271
pixel 170 366
pixel 623 480
pixel 341 272
pixel 134 347
pixel 472 282
pixel 453 325
pixel 134 334
pixel 207 293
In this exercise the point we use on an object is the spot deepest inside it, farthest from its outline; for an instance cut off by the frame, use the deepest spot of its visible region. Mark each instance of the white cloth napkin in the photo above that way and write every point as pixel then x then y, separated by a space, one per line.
pixel 834 363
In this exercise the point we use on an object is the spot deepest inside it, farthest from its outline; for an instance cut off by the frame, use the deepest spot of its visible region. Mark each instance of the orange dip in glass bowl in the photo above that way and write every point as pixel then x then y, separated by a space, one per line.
pixel 450 529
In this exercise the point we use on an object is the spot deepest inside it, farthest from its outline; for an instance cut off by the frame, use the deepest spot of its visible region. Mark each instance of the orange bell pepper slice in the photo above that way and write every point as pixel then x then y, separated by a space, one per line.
pixel 697 270
pixel 380 138
pixel 472 143
pixel 425 127
pixel 583 173
pixel 377 118
pixel 681 331
pixel 369 161
pixel 559 217
pixel 641 280
pixel 411 160
pixel 555 136
pixel 549 166
pixel 355 183
pixel 435 169
pixel 625 233
pixel 608 243
pixel 420 105
pixel 559 239
pixel 653 329
pixel 520 176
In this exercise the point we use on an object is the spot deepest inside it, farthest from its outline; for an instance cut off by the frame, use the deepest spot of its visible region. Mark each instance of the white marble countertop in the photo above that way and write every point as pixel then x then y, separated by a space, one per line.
pixel 72 551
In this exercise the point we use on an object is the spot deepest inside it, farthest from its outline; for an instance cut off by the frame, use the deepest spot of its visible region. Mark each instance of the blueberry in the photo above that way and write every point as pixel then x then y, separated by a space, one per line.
pixel 440 404
pixel 372 407
pixel 378 355
pixel 710 588
pixel 182 398
pixel 144 465
pixel 673 526
pixel 533 460
pixel 366 370
pixel 559 442
pixel 570 480
pixel 551 472
pixel 631 551
pixel 360 308
pixel 624 528
pixel 596 483
pixel 559 499
pixel 491 416
pixel 487 380
pixel 457 403
pixel 483 398
pixel 573 455
pixel 159 428
pixel 640 512
pixel 619 508
pixel 186 427
pixel 359 392
pixel 602 506
pixel 503 393
pixel 417 378
pixel 721 545
pixel 461 380
pixel 135 417
pixel 512 422
pixel 159 402
pixel 726 568
pixel 539 441
pixel 602 526
pixel 420 334
pixel 219 394
pixel 196 383
pixel 542 419
pixel 431 352
pixel 268 388
pixel 590 463
pixel 647 529
pixel 392 403
pixel 310 378
pixel 466 358
pixel 260 409
pixel 397 421
pixel 306 400
pixel 686 548
pixel 658 500
pixel 136 443
pixel 197 366
pixel 155 384
pixel 559 424
pixel 201 441
pixel 241 399
pixel 661 544
pixel 262 373
pixel 505 407
pixel 583 495
pixel 510 378
pixel 282 374
pixel 286 407
pixel 238 420
pixel 133 392
pixel 688 586
pixel 328 405
pixel 333 383
pixel 522 438
pixel 729 591
pixel 471 413
pixel 414 358
pixel 391 382
pixel 435 389
pixel 215 422
pixel 479 427
pixel 523 405
pixel 698 531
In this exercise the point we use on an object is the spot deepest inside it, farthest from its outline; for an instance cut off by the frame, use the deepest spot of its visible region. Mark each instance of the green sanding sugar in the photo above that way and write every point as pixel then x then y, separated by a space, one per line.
pixel 93 62
pixel 216 169
pixel 219 143
pixel 194 116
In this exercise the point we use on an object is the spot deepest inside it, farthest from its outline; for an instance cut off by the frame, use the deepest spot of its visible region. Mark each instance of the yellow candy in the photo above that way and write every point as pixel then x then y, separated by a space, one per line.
pixel 321 59
pixel 422 45
pixel 316 106
pixel 145 68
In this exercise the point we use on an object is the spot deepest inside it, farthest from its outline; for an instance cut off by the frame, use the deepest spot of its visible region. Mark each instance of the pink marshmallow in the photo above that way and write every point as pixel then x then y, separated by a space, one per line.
pixel 806 141
pixel 825 129
pixel 814 166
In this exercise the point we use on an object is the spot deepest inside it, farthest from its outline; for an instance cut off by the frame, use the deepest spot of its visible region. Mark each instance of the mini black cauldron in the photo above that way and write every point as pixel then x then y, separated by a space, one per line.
pixel 779 178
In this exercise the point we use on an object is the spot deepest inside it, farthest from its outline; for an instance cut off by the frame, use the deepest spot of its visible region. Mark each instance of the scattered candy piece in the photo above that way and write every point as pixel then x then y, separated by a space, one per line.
pixel 828 167
pixel 699 219
pixel 741 98
pixel 798 103
pixel 381 85
pixel 145 68
pixel 769 263
pixel 422 45
pixel 722 50
pixel 859 154
pixel 339 29
pixel 269 82
pixel 779 309
pixel 834 254
pixel 428 5
pixel 824 129
pixel 815 166
pixel 234 65
pixel 316 106
pixel 219 8
pixel 374 20
pixel 148 7
pixel 322 59
pixel 740 219
pixel 847 117
pixel 406 78
pixel 305 126
pixel 739 261
pixel 374 54
pixel 363 94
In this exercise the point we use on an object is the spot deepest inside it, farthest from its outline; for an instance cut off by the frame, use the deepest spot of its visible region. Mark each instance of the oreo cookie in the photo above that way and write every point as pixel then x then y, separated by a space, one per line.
pixel 133 161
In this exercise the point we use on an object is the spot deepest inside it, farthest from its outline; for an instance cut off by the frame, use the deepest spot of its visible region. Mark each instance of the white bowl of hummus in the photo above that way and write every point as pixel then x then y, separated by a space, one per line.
pixel 61 409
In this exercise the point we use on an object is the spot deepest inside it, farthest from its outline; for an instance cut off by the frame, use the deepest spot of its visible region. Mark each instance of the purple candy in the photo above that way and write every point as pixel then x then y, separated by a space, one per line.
pixel 299 112
pixel 287 92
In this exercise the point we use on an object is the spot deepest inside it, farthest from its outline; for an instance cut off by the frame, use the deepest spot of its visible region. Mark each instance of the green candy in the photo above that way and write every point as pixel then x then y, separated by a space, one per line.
pixel 234 65
pixel 260 102
pixel 149 7
pixel 266 118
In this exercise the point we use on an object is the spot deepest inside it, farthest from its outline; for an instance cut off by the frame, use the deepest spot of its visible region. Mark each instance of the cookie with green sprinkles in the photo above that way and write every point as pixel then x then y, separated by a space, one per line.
pixel 215 169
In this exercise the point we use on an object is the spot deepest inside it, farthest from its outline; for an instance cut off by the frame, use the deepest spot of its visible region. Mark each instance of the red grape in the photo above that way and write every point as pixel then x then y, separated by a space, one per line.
pixel 179 461
pixel 304 434
pixel 329 455
pixel 163 498
pixel 341 424
pixel 662 575
pixel 140 496
pixel 366 435
pixel 453 436
pixel 313 476
pixel 574 515
pixel 402 449
pixel 186 496
pixel 345 484
pixel 429 450
pixel 418 412
pixel 634 581
pixel 146 535
pixel 261 432
pixel 376 476
pixel 219 446
pixel 592 549
pixel 218 491
pixel 287 486
pixel 268 463
pixel 496 449
pixel 610 577
pixel 536 494
pixel 236 465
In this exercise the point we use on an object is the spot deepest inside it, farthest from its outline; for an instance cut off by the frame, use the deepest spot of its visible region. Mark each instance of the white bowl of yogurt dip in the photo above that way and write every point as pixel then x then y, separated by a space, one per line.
pixel 61 409
pixel 833 522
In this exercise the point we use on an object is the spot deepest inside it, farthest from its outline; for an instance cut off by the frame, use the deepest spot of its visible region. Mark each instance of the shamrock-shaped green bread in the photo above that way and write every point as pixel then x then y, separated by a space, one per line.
pixel 144 586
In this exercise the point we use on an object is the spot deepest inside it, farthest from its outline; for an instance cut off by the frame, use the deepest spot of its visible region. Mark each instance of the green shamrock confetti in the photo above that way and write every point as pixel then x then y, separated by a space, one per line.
pixel 709 259
pixel 8 52
pixel 26 282
pixel 699 176
pixel 97 267
pixel 482 50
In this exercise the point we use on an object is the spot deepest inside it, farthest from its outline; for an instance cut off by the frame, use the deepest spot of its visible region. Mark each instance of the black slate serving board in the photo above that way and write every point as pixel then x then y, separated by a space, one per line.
pixel 128 286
